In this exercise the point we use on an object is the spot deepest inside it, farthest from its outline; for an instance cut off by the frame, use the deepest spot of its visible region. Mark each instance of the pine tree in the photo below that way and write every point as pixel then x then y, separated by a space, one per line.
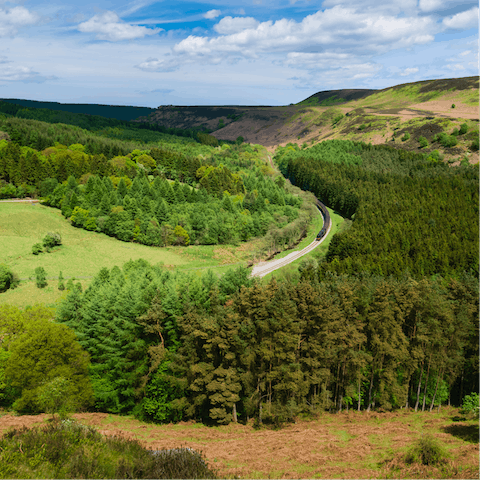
pixel 61 283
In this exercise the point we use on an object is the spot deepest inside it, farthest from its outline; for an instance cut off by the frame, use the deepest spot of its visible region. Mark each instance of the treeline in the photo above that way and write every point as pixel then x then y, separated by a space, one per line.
pixel 411 213
pixel 170 346
pixel 159 213
pixel 121 129
pixel 118 112
pixel 224 196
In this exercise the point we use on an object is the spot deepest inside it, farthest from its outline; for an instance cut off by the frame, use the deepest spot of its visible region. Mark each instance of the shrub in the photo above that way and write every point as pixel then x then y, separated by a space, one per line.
pixel 61 282
pixel 51 240
pixel 337 118
pixel 470 405
pixel 463 129
pixel 423 142
pixel 445 140
pixel 68 449
pixel 6 278
pixel 41 277
pixel 474 145
pixel 362 127
pixel 405 137
pixel 427 451
pixel 455 132
pixel 453 105
pixel 37 248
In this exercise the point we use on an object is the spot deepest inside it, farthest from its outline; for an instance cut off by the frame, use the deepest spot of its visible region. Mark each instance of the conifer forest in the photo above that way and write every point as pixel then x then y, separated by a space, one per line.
pixel 387 319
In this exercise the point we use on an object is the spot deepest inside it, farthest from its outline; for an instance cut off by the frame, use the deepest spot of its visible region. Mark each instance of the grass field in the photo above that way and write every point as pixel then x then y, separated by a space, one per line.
pixel 343 445
pixel 82 253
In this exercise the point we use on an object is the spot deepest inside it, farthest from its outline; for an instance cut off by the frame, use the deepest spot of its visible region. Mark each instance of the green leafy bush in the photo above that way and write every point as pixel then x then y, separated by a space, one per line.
pixel 463 129
pixel 470 405
pixel 41 277
pixel 68 449
pixel 427 451
pixel 445 139
pixel 37 248
pixel 423 142
pixel 405 137
pixel 52 239
pixel 6 278
pixel 337 118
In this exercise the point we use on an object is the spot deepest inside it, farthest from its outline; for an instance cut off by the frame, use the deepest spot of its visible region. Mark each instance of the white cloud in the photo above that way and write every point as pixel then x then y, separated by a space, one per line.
pixel 463 20
pixel 229 25
pixel 13 18
pixel 439 5
pixel 456 67
pixel 317 60
pixel 408 71
pixel 18 73
pixel 211 14
pixel 466 52
pixel 108 26
pixel 336 29
pixel 169 64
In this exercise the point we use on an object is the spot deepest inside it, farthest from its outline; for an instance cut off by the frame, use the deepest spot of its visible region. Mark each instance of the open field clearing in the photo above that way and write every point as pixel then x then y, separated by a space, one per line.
pixel 83 253
pixel 345 445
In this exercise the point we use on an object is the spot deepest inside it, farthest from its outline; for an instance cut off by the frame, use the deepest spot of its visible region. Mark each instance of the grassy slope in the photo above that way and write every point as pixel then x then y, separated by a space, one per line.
pixel 82 254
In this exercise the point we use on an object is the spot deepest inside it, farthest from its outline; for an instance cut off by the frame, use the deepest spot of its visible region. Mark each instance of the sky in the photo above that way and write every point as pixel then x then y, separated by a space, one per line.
pixel 228 52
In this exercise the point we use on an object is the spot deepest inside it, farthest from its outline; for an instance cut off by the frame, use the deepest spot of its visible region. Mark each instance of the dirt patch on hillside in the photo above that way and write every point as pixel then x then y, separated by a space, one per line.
pixel 444 108
pixel 347 445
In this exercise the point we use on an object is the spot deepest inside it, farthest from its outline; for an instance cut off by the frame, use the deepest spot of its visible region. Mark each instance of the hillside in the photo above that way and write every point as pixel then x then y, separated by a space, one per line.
pixel 421 109
pixel 119 112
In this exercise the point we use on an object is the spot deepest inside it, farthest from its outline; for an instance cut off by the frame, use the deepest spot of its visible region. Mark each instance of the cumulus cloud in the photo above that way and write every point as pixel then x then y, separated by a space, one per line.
pixel 408 71
pixel 211 14
pixel 152 64
pixel 428 6
pixel 18 73
pixel 14 18
pixel 337 28
pixel 463 20
pixel 109 26
pixel 390 6
pixel 229 25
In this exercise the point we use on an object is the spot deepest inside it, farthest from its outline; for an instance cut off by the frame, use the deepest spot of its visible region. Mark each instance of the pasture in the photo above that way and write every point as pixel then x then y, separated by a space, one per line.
pixel 83 253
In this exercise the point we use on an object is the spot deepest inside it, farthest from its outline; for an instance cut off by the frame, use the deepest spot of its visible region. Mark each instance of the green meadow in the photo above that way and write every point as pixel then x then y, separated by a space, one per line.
pixel 81 254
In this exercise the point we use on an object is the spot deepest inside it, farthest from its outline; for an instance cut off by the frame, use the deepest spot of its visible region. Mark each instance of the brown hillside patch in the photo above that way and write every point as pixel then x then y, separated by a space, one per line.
pixel 345 445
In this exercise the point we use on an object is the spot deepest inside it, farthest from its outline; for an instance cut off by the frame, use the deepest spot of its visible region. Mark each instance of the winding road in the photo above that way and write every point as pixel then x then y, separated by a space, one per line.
pixel 264 268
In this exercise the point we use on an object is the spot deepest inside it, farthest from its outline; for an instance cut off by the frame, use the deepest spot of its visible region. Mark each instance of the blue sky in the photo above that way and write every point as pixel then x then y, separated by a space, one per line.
pixel 255 52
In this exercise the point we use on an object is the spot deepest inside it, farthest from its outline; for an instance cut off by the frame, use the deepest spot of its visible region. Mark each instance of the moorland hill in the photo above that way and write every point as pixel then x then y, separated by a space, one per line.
pixel 398 115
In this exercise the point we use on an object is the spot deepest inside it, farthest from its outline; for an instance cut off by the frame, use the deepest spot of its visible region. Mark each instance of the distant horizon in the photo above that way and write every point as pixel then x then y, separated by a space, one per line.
pixel 227 52
pixel 218 105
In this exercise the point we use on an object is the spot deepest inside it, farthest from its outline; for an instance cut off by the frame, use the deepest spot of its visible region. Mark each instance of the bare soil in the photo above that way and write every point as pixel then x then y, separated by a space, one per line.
pixel 345 445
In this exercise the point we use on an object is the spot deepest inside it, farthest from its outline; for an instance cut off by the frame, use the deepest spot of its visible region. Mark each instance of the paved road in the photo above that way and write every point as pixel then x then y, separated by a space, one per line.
pixel 21 200
pixel 264 268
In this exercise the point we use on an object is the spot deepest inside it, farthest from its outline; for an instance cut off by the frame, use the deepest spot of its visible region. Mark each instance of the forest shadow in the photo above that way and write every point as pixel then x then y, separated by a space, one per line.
pixel 469 433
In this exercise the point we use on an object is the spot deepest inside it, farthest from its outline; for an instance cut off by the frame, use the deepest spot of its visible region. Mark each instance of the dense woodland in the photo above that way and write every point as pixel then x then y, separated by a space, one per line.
pixel 411 213
pixel 170 193
pixel 388 319
pixel 168 346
